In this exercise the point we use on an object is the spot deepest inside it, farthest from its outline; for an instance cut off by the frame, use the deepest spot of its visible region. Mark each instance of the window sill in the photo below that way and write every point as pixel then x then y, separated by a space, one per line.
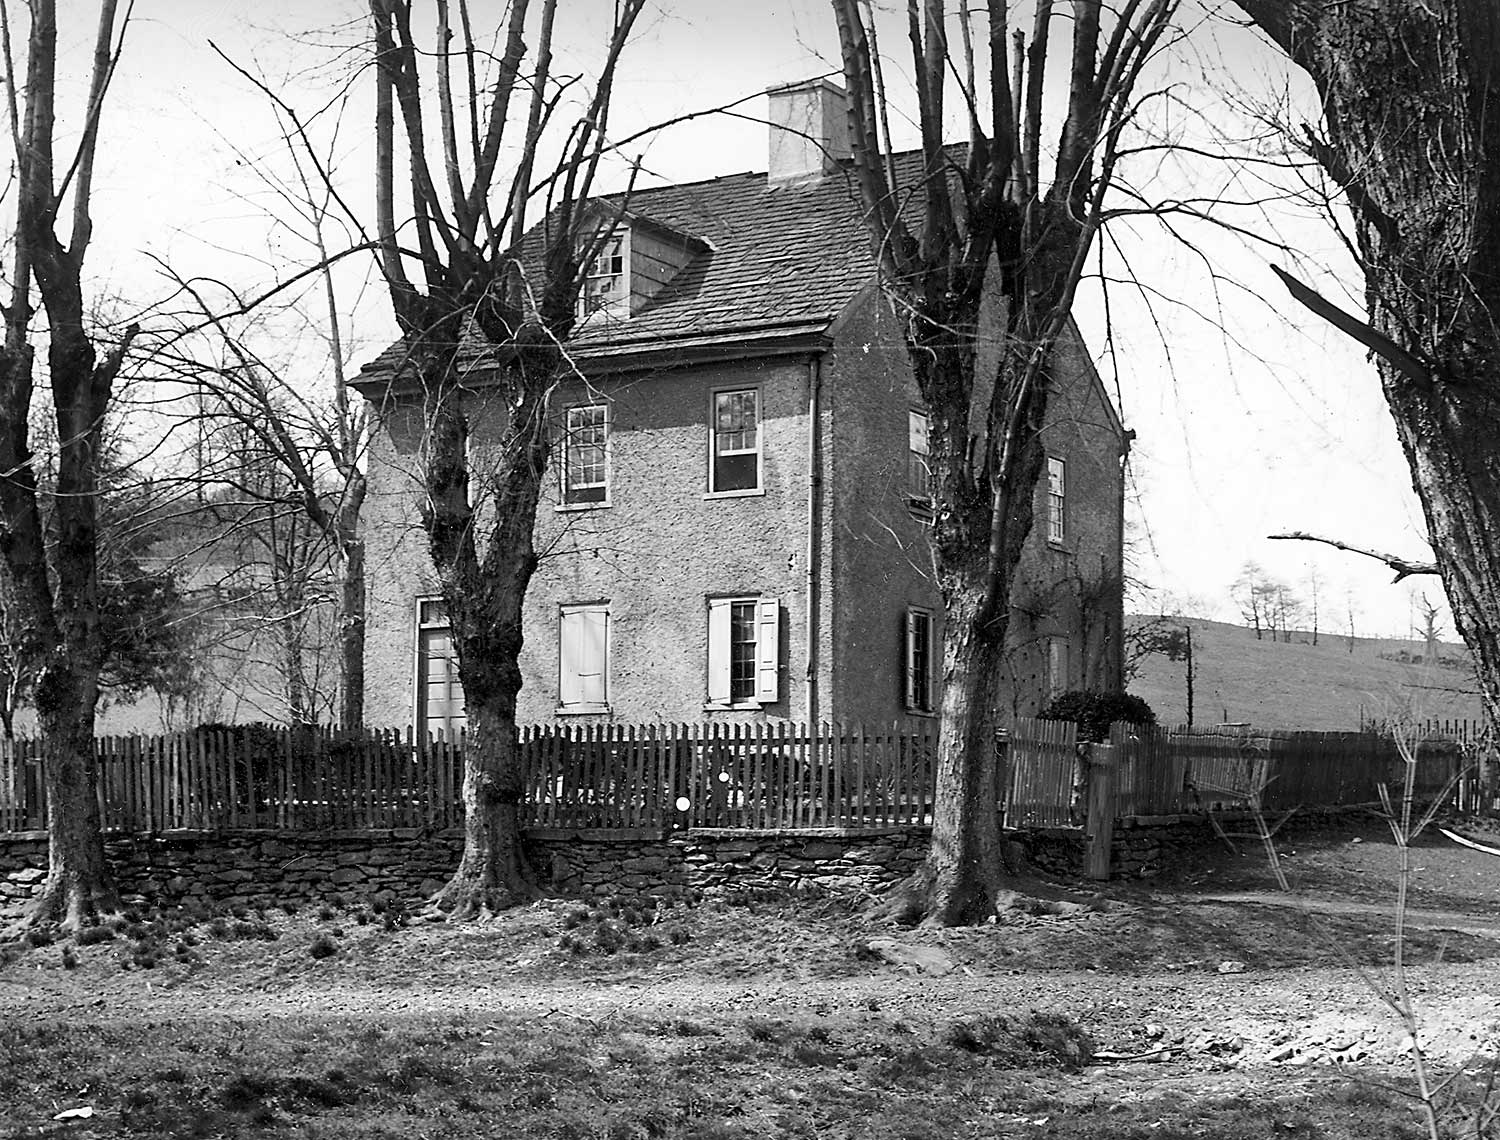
pixel 925 714
pixel 743 706
pixel 580 710
pixel 570 508
pixel 748 494
pixel 1060 547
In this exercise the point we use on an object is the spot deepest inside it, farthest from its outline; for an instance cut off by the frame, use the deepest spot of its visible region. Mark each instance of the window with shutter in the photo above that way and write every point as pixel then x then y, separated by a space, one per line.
pixel 744 652
pixel 583 659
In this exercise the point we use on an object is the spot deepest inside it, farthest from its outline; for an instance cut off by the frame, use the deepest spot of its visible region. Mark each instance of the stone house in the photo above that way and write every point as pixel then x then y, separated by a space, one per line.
pixel 737 525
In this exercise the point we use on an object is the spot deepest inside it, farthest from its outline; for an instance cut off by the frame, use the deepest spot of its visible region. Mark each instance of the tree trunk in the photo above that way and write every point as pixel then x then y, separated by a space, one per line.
pixel 1413 137
pixel 964 867
pixel 493 874
pixel 487 631
pixel 78 884
pixel 351 623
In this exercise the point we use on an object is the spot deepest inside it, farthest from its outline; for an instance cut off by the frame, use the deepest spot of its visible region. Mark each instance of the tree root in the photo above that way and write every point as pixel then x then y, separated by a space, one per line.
pixel 66 905
pixel 466 899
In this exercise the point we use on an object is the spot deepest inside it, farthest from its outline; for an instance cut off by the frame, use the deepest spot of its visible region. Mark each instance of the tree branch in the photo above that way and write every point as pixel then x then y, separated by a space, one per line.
pixel 1372 338
pixel 1404 567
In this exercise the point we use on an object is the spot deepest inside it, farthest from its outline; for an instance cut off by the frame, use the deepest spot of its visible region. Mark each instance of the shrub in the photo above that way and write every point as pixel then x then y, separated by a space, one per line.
pixel 1094 712
pixel 92 935
pixel 323 946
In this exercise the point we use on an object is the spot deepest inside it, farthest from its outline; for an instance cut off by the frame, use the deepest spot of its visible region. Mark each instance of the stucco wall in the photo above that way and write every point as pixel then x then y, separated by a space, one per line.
pixel 882 559
pixel 661 548
pixel 656 553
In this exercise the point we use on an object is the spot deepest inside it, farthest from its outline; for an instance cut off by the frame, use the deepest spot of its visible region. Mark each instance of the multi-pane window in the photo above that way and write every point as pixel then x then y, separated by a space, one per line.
pixel 583 658
pixel 585 456
pixel 918 470
pixel 741 652
pixel 1056 500
pixel 917 660
pixel 605 281
pixel 744 651
pixel 440 692
pixel 735 463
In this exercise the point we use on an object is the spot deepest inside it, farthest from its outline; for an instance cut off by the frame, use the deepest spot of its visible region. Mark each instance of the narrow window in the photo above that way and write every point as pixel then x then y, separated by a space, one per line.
pixel 1056 501
pixel 585 466
pixel 736 441
pixel 744 658
pixel 440 692
pixel 918 469
pixel 917 650
pixel 1058 666
pixel 583 658
pixel 604 283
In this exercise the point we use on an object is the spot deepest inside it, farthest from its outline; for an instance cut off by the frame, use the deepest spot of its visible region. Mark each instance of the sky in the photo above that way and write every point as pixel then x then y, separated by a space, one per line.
pixel 1252 418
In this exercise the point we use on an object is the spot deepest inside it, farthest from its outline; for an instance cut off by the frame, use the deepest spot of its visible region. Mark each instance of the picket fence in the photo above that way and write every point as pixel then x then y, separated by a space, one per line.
pixel 760 776
pixel 577 776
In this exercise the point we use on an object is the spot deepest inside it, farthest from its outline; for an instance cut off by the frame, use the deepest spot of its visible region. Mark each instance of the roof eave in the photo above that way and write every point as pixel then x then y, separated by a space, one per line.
pixel 683 350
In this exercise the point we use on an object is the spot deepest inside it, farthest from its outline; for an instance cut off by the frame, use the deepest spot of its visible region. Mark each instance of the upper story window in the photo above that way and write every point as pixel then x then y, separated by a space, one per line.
pixel 585 467
pixel 606 285
pixel 1057 529
pixel 918 469
pixel 734 464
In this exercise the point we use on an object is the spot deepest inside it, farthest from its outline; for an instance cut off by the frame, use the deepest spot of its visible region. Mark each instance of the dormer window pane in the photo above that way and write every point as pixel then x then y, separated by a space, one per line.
pixel 605 281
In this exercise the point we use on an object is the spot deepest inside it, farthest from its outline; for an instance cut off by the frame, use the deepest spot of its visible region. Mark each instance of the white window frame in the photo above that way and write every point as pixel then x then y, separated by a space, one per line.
pixel 565 467
pixel 1057 500
pixel 616 248
pixel 766 654
pixel 915 455
pixel 758 450
pixel 424 625
pixel 918 643
pixel 583 690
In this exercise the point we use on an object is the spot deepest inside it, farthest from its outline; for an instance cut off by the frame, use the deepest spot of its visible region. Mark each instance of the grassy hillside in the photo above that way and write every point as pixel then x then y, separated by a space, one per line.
pixel 1301 685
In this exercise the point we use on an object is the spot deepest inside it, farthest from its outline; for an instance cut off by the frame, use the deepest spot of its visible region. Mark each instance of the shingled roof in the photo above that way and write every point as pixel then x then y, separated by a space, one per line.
pixel 777 261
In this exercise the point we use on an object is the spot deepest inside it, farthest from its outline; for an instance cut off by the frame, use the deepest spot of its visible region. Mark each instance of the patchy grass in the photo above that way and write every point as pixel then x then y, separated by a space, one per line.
pixel 566 1077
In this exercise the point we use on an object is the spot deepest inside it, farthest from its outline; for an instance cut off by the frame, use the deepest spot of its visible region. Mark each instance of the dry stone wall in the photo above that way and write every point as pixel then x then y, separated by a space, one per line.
pixel 269 868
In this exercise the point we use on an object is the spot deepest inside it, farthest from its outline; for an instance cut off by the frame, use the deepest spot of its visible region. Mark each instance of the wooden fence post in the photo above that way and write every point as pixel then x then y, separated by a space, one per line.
pixel 1102 759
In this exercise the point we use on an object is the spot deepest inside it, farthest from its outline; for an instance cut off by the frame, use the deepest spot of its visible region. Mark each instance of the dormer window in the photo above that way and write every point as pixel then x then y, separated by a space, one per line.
pixel 606 286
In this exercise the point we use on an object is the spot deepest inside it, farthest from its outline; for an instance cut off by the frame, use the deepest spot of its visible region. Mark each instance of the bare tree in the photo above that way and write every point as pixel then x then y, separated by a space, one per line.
pixel 463 284
pixel 1252 592
pixel 986 221
pixel 1314 588
pixel 57 584
pixel 1411 133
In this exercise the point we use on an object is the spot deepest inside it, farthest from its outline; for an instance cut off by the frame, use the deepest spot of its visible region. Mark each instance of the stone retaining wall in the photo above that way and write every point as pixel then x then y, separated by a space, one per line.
pixel 265 868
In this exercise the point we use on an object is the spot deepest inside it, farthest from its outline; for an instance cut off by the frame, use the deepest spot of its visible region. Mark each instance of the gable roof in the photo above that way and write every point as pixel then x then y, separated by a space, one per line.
pixel 771 262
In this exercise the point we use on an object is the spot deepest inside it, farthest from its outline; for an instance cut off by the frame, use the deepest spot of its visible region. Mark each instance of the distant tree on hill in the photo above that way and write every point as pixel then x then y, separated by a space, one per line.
pixel 1248 592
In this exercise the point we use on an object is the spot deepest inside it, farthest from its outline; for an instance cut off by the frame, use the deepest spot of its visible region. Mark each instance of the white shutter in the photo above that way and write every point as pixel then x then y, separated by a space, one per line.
pixel 570 649
pixel 718 651
pixel 767 650
pixel 593 638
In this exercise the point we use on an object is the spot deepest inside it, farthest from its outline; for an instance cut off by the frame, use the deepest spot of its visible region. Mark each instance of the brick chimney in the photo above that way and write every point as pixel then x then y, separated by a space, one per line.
pixel 809 131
